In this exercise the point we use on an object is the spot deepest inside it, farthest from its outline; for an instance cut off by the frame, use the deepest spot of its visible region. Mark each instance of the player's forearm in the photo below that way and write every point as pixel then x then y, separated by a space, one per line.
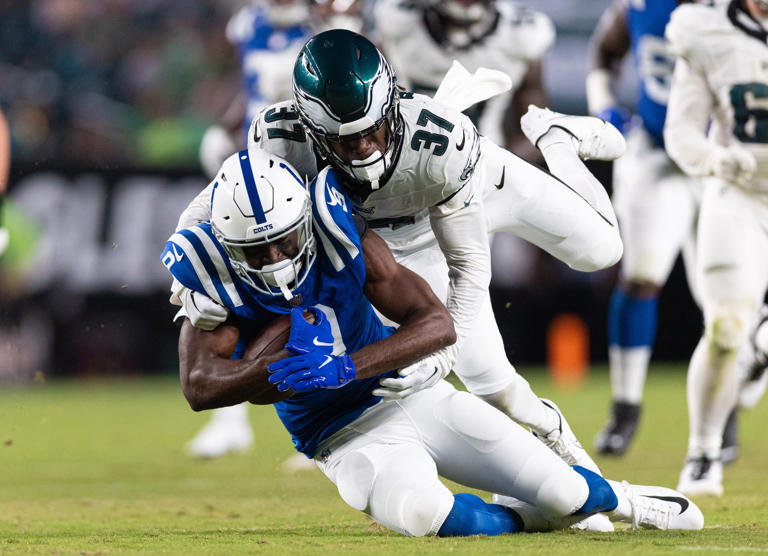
pixel 422 333
pixel 463 238
pixel 198 210
pixel 688 110
pixel 223 382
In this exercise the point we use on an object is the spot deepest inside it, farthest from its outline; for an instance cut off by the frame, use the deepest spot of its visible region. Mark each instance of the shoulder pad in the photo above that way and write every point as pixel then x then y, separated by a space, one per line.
pixel 334 221
pixel 196 259
pixel 277 130
pixel 688 25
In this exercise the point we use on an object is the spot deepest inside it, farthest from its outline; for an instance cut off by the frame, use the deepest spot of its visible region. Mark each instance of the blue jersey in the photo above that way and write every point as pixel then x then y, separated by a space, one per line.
pixel 267 54
pixel 334 284
pixel 646 20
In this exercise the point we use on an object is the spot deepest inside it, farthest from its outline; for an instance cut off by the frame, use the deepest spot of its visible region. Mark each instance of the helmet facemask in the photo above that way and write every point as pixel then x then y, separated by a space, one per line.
pixel 284 276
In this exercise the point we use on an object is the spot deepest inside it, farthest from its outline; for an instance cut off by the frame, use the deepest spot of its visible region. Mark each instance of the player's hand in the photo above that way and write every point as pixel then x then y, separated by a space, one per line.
pixel 202 311
pixel 616 116
pixel 312 371
pixel 306 337
pixel 734 164
pixel 421 375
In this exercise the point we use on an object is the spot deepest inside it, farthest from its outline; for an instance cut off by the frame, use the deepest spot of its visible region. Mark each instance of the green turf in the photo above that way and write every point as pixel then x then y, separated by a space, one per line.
pixel 98 467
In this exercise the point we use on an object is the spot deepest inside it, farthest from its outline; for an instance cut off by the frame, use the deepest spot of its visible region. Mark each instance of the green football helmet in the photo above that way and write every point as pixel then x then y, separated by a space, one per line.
pixel 344 88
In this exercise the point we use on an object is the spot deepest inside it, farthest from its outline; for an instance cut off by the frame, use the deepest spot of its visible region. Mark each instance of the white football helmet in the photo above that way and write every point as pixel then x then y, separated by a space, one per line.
pixel 259 199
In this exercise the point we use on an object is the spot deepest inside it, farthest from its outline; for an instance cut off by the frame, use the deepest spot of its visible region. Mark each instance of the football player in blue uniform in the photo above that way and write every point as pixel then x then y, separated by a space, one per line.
pixel 272 248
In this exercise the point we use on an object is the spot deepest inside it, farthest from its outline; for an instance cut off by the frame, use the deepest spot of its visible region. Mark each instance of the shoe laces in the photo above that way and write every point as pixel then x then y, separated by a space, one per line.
pixel 646 510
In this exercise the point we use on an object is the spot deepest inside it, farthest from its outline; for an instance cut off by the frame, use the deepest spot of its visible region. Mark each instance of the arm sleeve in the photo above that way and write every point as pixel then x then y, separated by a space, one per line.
pixel 685 127
pixel 198 210
pixel 461 231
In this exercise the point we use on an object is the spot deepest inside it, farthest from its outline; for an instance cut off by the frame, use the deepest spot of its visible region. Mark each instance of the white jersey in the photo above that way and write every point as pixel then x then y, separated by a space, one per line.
pixel 421 57
pixel 727 50
pixel 440 147
pixel 421 54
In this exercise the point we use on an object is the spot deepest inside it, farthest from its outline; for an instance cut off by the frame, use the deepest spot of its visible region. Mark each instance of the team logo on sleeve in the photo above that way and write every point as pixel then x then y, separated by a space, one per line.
pixel 335 197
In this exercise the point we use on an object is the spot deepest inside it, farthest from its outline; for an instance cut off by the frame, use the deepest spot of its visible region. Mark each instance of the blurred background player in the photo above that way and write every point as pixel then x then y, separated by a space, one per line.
pixel 422 38
pixel 655 202
pixel 268 35
pixel 717 128
pixel 5 168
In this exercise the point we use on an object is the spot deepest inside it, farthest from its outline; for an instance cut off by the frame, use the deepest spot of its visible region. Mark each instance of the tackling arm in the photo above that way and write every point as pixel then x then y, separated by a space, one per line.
pixel 210 379
pixel 404 297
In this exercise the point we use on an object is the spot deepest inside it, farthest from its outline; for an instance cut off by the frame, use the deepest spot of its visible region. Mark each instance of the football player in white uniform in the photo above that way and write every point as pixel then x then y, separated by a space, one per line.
pixel 433 188
pixel 721 76
pixel 656 203
pixel 422 38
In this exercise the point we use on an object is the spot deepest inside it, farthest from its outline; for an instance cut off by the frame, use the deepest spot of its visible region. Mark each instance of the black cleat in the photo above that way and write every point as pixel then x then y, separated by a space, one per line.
pixel 615 438
pixel 729 449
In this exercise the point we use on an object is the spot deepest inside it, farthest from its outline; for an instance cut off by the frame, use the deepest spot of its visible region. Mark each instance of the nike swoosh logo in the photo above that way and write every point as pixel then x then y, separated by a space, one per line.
pixel 460 146
pixel 501 181
pixel 317 342
pixel 466 203
pixel 676 499
pixel 328 359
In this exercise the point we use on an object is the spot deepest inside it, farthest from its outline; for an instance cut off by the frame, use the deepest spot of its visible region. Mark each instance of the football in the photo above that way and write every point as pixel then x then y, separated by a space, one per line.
pixel 273 337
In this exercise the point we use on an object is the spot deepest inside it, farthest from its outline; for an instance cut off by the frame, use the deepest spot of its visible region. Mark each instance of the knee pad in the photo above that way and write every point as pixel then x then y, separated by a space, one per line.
pixel 562 493
pixel 355 478
pixel 728 328
pixel 397 486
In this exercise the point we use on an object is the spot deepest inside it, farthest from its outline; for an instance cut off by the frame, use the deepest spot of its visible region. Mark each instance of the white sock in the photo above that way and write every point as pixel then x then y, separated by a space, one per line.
pixel 629 367
pixel 713 387
pixel 235 415
pixel 519 402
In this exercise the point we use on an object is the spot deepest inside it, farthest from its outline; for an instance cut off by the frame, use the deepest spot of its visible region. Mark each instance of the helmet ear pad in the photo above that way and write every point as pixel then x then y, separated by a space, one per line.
pixel 259 199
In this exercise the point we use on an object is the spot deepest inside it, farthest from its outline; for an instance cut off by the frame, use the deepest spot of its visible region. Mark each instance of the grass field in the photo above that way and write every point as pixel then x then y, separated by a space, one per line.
pixel 97 467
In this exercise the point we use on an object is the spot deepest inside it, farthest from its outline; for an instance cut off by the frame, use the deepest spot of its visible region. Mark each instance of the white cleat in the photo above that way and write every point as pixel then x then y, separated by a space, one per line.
pixel 594 139
pixel 661 508
pixel 219 437
pixel 701 476
pixel 564 443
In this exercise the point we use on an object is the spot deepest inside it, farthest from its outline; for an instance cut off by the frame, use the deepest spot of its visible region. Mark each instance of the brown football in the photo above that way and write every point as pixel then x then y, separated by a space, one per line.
pixel 270 341
pixel 273 337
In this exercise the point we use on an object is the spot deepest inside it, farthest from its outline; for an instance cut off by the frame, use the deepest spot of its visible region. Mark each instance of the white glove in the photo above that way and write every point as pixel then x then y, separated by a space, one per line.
pixel 215 147
pixel 734 164
pixel 202 311
pixel 421 375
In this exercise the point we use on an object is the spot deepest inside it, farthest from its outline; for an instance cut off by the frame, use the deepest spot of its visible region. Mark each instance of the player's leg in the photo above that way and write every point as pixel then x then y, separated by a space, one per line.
pixel 754 361
pixel 657 207
pixel 732 285
pixel 227 431
pixel 484 368
pixel 478 446
pixel 380 467
pixel 566 213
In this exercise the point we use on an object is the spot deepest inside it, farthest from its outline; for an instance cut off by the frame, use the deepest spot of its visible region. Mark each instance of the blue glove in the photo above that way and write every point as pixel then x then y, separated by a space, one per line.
pixel 617 116
pixel 312 371
pixel 307 337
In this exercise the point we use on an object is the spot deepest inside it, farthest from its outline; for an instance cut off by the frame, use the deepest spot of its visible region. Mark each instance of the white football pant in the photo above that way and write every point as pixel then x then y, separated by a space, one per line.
pixel 386 463
pixel 732 273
